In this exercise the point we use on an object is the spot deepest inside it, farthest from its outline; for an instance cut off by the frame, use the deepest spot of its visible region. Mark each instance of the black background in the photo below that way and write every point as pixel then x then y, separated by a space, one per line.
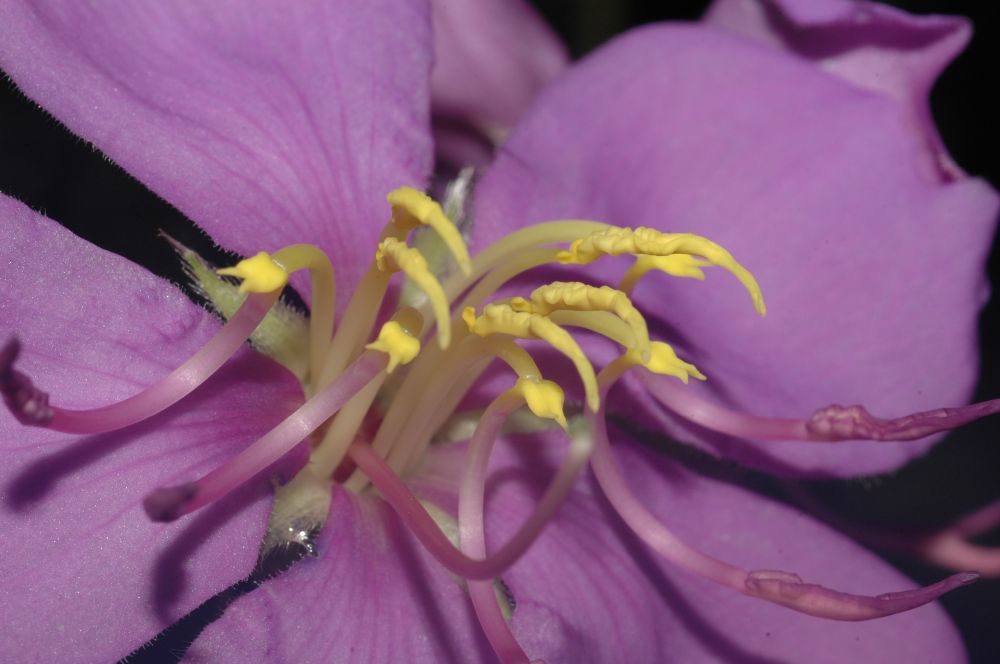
pixel 54 172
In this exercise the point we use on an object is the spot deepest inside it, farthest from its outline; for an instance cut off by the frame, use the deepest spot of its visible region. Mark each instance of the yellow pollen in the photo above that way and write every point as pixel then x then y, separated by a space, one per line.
pixel 576 296
pixel 398 338
pixel 412 208
pixel 616 241
pixel 502 319
pixel 544 398
pixel 394 256
pixel 260 274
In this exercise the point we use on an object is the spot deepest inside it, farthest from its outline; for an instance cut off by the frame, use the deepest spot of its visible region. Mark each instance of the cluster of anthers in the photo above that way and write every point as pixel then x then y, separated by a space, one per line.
pixel 349 381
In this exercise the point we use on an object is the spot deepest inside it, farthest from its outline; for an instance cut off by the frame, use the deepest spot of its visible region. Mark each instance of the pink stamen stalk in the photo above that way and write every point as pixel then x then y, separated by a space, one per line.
pixel 170 503
pixel 678 399
pixel 949 547
pixel 416 518
pixel 830 424
pixel 782 588
pixel 950 550
pixel 471 529
pixel 30 405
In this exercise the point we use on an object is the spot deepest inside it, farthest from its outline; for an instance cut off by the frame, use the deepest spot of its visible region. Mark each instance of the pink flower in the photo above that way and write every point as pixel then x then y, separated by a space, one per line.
pixel 285 123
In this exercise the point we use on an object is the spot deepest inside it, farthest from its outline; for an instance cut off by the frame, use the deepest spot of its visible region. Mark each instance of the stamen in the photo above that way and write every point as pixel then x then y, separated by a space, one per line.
pixel 423 403
pixel 951 548
pixel 835 423
pixel 412 208
pixel 782 588
pixel 502 319
pixel 790 591
pixel 827 425
pixel 399 338
pixel 649 241
pixel 30 405
pixel 676 265
pixel 516 243
pixel 260 274
pixel 576 296
pixel 395 256
pixel 413 514
pixel 324 295
pixel 26 402
pixel 471 527
pixel 173 502
pixel 421 396
pixel 409 208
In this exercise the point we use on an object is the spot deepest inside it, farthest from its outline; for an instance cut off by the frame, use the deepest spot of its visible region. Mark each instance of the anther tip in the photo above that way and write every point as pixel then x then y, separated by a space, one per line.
pixel 8 355
pixel 28 404
pixel 167 504
pixel 967 578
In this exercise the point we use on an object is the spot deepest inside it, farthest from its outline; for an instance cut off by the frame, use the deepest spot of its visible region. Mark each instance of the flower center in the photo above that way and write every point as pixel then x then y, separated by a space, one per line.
pixel 374 406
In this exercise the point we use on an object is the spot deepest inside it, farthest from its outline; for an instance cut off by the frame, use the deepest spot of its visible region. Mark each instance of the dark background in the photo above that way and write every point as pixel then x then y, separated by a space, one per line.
pixel 54 172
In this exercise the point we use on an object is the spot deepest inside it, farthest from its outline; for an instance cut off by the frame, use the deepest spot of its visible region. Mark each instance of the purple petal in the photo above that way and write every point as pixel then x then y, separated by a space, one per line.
pixel 490 59
pixel 265 123
pixel 873 46
pixel 86 575
pixel 586 592
pixel 373 595
pixel 871 267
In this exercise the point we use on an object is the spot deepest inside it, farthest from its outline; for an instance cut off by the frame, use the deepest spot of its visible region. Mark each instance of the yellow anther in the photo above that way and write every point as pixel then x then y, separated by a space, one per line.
pixel 399 338
pixel 676 265
pixel 544 398
pixel 617 241
pixel 260 274
pixel 412 208
pixel 576 296
pixel 394 256
pixel 664 361
pixel 502 319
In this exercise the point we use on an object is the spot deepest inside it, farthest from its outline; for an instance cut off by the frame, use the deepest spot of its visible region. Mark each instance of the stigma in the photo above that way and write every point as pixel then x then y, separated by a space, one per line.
pixel 380 388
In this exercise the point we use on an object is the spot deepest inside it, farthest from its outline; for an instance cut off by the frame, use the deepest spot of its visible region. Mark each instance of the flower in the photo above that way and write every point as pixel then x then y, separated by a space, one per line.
pixel 193 113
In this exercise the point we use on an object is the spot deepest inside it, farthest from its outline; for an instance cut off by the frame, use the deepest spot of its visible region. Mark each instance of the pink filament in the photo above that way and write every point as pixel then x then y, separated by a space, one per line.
pixel 169 503
pixel 782 588
pixel 473 537
pixel 678 399
pixel 399 496
pixel 950 547
pixel 175 386
pixel 830 424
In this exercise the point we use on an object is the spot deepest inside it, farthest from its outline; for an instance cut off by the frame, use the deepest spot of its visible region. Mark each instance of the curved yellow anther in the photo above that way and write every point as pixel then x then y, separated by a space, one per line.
pixel 544 398
pixel 676 265
pixel 412 208
pixel 394 256
pixel 617 241
pixel 576 296
pixel 502 319
pixel 399 338
pixel 664 361
pixel 260 274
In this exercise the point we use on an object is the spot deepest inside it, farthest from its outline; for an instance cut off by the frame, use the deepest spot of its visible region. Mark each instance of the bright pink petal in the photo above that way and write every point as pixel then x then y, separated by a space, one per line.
pixel 491 57
pixel 586 592
pixel 85 575
pixel 872 267
pixel 267 123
